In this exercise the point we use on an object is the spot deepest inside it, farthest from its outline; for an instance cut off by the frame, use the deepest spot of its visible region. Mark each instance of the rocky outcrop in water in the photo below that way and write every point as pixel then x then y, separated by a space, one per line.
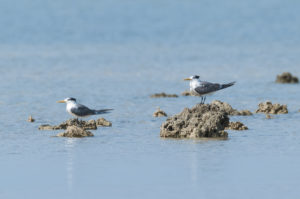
pixel 287 78
pixel 158 95
pixel 30 119
pixel 186 93
pixel 268 116
pixel 269 108
pixel 75 132
pixel 159 113
pixel 239 126
pixel 203 120
pixel 47 127
pixel 87 125
pixel 103 122
pixel 244 112
pixel 229 110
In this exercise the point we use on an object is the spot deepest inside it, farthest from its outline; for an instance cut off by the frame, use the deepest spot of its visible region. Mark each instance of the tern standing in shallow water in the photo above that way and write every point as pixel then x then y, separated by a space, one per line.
pixel 202 88
pixel 79 110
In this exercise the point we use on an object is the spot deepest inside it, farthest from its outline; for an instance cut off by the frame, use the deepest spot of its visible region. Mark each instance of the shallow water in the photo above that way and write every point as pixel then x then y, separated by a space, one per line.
pixel 114 54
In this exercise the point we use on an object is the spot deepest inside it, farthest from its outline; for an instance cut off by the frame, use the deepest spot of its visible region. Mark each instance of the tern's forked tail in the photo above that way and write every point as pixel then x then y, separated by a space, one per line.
pixel 227 85
pixel 103 111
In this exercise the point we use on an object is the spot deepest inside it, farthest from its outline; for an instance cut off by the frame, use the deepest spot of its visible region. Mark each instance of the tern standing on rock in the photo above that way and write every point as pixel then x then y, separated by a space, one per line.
pixel 79 110
pixel 202 88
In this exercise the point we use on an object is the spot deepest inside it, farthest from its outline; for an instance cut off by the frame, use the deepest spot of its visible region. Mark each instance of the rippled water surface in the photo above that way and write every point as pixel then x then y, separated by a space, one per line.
pixel 114 54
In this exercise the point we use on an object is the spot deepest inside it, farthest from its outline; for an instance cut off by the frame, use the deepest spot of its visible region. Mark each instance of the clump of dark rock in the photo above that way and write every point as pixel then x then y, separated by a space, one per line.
pixel 203 120
pixel 157 95
pixel 47 127
pixel 159 113
pixel 229 110
pixel 239 126
pixel 186 93
pixel 77 128
pixel 269 108
pixel 75 132
pixel 268 116
pixel 30 119
pixel 245 112
pixel 103 122
pixel 287 78
pixel 87 125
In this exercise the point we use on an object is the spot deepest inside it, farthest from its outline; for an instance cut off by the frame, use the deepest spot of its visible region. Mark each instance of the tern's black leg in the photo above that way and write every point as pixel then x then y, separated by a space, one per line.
pixel 78 122
pixel 204 99
pixel 201 100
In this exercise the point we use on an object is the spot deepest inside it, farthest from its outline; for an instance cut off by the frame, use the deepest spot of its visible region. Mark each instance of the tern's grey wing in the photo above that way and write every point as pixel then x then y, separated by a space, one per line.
pixel 81 110
pixel 207 87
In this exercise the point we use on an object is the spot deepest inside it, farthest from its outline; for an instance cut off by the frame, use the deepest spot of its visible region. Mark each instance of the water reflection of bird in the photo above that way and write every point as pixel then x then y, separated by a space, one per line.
pixel 79 110
pixel 203 88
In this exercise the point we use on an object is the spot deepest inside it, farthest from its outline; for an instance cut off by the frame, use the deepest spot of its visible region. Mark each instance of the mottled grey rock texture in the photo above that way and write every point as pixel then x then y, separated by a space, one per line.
pixel 203 120
pixel 75 132
pixel 239 126
pixel 269 108
pixel 287 78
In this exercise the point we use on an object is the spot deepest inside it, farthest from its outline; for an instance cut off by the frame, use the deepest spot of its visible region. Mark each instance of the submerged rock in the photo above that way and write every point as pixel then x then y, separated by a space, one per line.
pixel 244 112
pixel 103 122
pixel 30 119
pixel 87 125
pixel 269 108
pixel 287 78
pixel 186 93
pixel 203 120
pixel 229 110
pixel 46 127
pixel 157 95
pixel 76 132
pixel 269 116
pixel 159 113
pixel 239 126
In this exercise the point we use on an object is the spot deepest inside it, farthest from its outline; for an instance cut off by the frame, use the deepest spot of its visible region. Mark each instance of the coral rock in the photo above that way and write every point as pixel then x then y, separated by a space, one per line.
pixel 186 93
pixel 158 95
pixel 203 120
pixel 286 77
pixel 30 119
pixel 268 116
pixel 229 110
pixel 239 126
pixel 87 125
pixel 269 108
pixel 103 122
pixel 159 113
pixel 76 132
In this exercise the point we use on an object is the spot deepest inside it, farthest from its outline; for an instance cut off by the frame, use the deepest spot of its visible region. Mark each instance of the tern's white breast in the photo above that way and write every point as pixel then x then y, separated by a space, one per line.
pixel 194 84
pixel 69 106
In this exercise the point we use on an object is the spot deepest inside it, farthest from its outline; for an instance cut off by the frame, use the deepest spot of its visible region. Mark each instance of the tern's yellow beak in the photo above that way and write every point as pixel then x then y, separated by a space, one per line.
pixel 61 101
pixel 187 79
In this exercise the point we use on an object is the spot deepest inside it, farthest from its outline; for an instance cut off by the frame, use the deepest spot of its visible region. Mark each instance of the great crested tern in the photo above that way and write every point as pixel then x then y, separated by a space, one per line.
pixel 203 88
pixel 79 110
